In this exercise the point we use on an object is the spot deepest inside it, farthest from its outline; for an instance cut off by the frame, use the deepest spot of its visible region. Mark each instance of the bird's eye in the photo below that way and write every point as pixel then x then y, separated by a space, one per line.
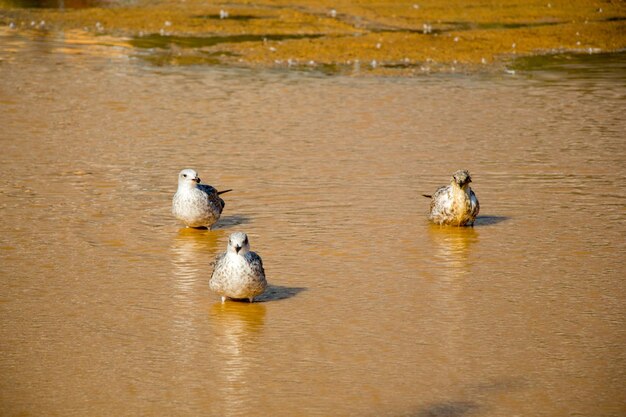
pixel 185 175
pixel 245 242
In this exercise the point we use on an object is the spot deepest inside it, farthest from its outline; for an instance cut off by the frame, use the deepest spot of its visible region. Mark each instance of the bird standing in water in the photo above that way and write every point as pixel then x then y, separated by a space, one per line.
pixel 454 204
pixel 196 205
pixel 238 273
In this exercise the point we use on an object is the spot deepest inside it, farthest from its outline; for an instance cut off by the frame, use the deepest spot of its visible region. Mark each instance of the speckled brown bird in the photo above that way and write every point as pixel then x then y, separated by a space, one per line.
pixel 454 204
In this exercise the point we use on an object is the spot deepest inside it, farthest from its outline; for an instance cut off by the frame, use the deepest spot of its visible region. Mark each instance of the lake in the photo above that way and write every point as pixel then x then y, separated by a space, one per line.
pixel 104 301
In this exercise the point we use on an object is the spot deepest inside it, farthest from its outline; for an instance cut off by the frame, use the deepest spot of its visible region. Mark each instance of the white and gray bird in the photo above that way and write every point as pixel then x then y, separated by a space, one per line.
pixel 238 272
pixel 195 204
pixel 454 204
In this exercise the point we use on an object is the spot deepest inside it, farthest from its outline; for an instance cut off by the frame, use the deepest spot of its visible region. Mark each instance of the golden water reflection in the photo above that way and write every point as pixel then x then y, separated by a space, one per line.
pixel 193 252
pixel 238 327
pixel 452 246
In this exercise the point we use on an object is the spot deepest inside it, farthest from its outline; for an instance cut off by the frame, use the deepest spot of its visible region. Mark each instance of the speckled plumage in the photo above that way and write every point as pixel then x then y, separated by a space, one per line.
pixel 455 204
pixel 238 272
pixel 195 204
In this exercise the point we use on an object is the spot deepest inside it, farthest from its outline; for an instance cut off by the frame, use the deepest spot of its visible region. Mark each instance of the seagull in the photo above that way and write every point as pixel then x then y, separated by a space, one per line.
pixel 238 273
pixel 454 204
pixel 197 205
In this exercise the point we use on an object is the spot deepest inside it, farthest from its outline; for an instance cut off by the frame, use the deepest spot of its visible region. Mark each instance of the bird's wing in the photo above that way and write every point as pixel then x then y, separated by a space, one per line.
pixel 207 189
pixel 441 191
pixel 256 263
pixel 475 204
pixel 213 195
pixel 217 263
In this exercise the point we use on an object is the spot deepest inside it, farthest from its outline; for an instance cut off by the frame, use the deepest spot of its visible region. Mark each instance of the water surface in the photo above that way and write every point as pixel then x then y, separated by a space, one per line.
pixel 104 302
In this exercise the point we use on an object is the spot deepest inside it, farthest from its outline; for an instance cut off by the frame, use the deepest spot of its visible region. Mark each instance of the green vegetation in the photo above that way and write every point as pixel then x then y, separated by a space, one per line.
pixel 384 36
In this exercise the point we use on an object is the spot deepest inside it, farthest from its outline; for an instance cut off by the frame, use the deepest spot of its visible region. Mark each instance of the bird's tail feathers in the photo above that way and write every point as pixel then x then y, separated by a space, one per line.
pixel 427 196
pixel 223 192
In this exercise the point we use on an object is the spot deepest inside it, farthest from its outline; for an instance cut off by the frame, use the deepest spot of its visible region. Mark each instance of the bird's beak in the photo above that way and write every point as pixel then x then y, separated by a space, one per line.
pixel 237 249
pixel 197 180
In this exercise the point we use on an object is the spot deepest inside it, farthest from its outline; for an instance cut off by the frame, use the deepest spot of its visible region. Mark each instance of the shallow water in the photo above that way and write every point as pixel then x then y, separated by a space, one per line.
pixel 104 298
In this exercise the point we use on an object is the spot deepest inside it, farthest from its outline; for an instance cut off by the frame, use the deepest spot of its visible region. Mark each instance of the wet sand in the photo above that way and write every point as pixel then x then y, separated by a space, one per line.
pixel 384 37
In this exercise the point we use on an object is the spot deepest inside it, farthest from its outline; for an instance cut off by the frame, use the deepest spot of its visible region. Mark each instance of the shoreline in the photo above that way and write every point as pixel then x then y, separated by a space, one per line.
pixel 387 38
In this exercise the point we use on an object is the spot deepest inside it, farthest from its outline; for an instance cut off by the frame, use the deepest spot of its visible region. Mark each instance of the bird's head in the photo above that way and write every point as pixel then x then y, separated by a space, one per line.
pixel 461 178
pixel 238 243
pixel 188 177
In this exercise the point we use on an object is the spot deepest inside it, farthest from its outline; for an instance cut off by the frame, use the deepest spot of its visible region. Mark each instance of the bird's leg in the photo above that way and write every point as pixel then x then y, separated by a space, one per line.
pixel 251 299
pixel 223 299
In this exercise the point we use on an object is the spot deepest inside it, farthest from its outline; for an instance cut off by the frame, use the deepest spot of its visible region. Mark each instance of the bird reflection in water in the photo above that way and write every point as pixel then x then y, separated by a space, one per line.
pixel 192 253
pixel 449 305
pixel 452 247
pixel 237 329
